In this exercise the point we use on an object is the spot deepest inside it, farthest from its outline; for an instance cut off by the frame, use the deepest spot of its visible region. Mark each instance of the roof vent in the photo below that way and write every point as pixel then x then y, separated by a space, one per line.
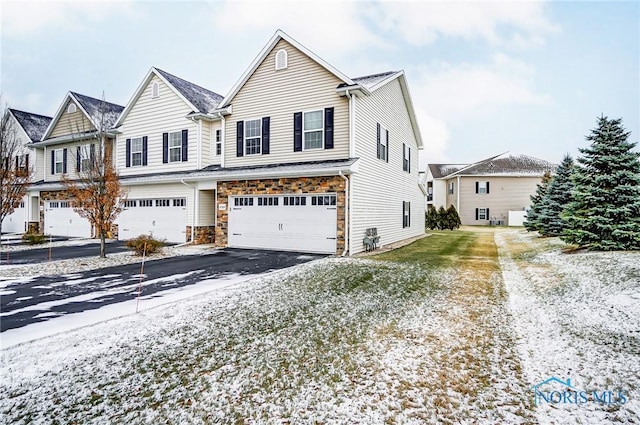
pixel 155 90
pixel 281 59
pixel 71 108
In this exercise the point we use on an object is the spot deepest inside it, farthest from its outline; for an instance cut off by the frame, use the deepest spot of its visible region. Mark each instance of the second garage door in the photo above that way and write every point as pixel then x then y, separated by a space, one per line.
pixel 161 218
pixel 61 220
pixel 305 223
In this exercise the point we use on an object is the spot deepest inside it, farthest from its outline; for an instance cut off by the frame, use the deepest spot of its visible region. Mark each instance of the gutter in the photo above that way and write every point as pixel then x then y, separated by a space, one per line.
pixel 347 213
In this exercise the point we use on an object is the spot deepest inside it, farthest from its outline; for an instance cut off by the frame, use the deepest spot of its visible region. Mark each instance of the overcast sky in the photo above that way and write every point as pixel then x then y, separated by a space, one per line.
pixel 485 77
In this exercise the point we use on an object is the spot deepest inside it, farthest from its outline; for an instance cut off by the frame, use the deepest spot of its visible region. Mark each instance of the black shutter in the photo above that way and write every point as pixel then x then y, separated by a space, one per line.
pixel 92 154
pixel 185 144
pixel 240 138
pixel 487 187
pixel 408 214
pixel 165 148
pixel 409 159
pixel 387 135
pixel 403 206
pixel 17 162
pixel 64 161
pixel 477 212
pixel 265 135
pixel 144 151
pixel 128 161
pixel 26 163
pixel 78 158
pixel 378 141
pixel 53 162
pixel 297 132
pixel 477 187
pixel 328 128
pixel 487 213
pixel 404 157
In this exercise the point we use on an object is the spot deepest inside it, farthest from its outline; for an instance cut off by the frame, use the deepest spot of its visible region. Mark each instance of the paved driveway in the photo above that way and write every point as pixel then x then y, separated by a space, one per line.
pixel 32 300
pixel 40 255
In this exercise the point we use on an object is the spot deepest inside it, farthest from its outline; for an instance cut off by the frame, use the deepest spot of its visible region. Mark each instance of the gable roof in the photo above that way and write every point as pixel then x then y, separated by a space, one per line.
pixel 506 164
pixel 442 170
pixel 196 97
pixel 34 125
pixel 92 109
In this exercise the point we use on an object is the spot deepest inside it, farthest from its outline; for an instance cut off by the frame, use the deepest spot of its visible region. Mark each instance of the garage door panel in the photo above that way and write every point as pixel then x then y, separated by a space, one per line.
pixel 14 222
pixel 61 220
pixel 290 226
pixel 161 218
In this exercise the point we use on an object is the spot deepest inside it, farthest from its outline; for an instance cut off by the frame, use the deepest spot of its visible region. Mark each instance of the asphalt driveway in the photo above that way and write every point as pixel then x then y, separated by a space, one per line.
pixel 40 255
pixel 32 300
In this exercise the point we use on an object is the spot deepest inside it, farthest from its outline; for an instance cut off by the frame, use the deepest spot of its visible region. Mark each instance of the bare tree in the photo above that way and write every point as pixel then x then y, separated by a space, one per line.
pixel 97 193
pixel 15 174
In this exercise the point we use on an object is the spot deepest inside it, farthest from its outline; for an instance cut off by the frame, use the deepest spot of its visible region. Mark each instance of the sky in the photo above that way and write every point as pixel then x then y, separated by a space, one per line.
pixel 485 77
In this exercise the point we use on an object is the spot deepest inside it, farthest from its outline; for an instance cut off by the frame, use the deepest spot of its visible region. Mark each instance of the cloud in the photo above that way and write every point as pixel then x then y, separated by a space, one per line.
pixel 25 18
pixel 421 23
pixel 435 136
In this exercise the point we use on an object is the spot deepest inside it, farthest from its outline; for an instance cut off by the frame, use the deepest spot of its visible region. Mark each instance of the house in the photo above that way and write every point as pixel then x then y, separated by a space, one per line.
pixel 29 128
pixel 69 142
pixel 297 156
pixel 494 191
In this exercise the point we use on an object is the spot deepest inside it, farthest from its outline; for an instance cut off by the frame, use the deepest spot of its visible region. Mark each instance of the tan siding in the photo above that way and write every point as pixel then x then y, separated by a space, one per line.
pixel 163 191
pixel 71 123
pixel 379 188
pixel 206 208
pixel 152 117
pixel 505 194
pixel 72 149
pixel 303 86
pixel 205 143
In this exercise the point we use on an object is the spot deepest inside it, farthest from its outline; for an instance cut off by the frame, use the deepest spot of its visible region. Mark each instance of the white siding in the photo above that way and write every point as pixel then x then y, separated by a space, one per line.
pixel 72 149
pixel 379 188
pixel 303 86
pixel 206 208
pixel 151 117
pixel 163 191
pixel 211 144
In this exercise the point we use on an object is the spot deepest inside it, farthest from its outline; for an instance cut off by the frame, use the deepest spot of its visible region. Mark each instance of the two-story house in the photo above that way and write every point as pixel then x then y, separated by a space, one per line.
pixel 71 139
pixel 28 128
pixel 494 191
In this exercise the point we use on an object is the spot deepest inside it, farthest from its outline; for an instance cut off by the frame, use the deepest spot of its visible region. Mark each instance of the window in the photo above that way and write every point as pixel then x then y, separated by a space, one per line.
pixel 323 200
pixel 136 151
pixel 146 202
pixel 383 143
pixel 59 161
pixel 281 59
pixel 175 146
pixel 64 204
pixel 71 108
pixel 179 202
pixel 313 130
pixel 85 156
pixel 252 137
pixel 406 214
pixel 295 200
pixel 268 201
pixel 243 202
pixel 54 204
pixel 22 164
pixel 482 213
pixel 130 203
pixel 163 202
pixel 155 90
pixel 482 188
pixel 406 158
pixel 450 188
pixel 218 142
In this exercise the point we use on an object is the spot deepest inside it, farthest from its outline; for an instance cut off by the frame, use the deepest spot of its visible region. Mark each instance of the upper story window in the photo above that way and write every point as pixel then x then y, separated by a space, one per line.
pixel 450 188
pixel 59 161
pixel 218 142
pixel 313 129
pixel 22 164
pixel 85 157
pixel 71 108
pixel 406 158
pixel 252 137
pixel 482 188
pixel 175 146
pixel 281 59
pixel 136 151
pixel 383 143
pixel 155 90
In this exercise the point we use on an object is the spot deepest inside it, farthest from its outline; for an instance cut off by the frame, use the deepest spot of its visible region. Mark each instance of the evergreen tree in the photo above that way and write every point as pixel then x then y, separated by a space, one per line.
pixel 431 218
pixel 532 222
pixel 559 195
pixel 605 211
pixel 452 218
pixel 441 218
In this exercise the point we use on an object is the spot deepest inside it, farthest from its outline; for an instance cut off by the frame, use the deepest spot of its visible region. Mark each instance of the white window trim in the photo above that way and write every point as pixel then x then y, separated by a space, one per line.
pixel 140 152
pixel 482 212
pixel 451 188
pixel 383 144
pixel 281 53
pixel 155 90
pixel 218 137
pixel 304 132
pixel 259 137
pixel 482 187
pixel 71 108
pixel 174 148
pixel 56 162
pixel 85 155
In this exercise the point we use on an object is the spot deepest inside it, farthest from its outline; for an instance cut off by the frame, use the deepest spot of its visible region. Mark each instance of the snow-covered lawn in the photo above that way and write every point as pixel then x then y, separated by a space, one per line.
pixel 434 339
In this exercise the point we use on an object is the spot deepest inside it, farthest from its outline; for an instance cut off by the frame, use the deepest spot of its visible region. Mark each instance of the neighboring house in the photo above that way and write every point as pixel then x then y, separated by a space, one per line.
pixel 495 191
pixel 66 146
pixel 29 128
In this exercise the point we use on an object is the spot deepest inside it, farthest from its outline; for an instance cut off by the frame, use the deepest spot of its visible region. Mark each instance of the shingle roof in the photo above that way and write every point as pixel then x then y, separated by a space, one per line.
pixel 95 107
pixel 509 163
pixel 369 81
pixel 203 99
pixel 443 170
pixel 33 124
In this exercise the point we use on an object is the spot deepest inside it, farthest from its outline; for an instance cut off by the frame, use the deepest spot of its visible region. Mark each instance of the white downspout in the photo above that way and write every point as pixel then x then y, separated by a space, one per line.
pixel 199 144
pixel 352 124
pixel 193 214
pixel 222 139
pixel 347 212
pixel 458 195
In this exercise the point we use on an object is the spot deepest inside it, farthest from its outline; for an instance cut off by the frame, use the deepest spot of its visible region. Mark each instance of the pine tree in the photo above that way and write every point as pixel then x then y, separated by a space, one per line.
pixel 559 195
pixel 452 218
pixel 431 218
pixel 605 211
pixel 532 222
pixel 441 218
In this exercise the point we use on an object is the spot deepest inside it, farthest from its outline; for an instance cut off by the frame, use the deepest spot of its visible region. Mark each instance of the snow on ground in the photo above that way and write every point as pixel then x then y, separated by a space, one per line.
pixel 578 317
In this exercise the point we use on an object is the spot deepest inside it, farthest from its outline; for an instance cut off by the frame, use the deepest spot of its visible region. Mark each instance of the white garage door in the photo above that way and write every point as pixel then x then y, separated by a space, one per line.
pixel 61 220
pixel 162 218
pixel 305 223
pixel 14 222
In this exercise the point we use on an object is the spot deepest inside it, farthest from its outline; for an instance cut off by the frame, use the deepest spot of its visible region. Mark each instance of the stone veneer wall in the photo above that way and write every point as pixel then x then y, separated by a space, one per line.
pixel 203 234
pixel 299 185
